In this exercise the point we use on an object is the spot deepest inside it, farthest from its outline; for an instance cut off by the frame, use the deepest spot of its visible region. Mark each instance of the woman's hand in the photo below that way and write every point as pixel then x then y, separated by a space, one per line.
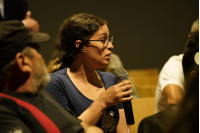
pixel 117 94
pixel 111 96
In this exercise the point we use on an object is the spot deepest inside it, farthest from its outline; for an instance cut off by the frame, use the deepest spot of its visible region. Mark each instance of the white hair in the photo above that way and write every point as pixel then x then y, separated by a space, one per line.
pixel 195 26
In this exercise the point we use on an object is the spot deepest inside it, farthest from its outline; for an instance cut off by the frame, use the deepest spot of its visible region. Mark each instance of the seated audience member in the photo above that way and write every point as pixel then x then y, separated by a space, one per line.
pixel 186 119
pixel 115 64
pixel 94 96
pixel 18 10
pixel 24 106
pixel 174 118
pixel 170 88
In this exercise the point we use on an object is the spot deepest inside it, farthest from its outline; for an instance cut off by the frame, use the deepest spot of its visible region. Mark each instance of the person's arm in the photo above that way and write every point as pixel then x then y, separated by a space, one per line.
pixel 57 88
pixel 114 95
pixel 122 127
pixel 173 93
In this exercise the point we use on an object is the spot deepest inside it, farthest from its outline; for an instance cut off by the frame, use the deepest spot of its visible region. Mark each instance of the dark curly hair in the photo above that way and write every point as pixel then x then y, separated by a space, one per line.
pixel 191 48
pixel 78 27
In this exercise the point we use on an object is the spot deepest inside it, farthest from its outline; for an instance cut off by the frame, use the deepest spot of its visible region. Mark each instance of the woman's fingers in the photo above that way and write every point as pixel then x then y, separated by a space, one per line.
pixel 126 99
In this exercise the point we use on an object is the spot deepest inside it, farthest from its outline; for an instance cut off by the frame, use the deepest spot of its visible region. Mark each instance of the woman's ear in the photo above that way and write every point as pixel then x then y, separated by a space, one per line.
pixel 23 62
pixel 77 43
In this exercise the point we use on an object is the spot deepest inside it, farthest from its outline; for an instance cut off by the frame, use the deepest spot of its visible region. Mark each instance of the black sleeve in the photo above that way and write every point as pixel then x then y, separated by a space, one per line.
pixel 15 9
pixel 23 8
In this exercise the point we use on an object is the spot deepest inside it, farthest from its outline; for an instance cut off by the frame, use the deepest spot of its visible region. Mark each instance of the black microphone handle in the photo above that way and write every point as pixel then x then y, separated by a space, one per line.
pixel 129 113
pixel 123 75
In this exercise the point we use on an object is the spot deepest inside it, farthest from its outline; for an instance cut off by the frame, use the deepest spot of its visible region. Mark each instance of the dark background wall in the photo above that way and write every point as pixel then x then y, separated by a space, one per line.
pixel 146 33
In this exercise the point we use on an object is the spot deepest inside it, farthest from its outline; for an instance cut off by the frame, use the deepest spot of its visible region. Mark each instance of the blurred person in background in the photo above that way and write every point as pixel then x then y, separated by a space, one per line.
pixel 170 88
pixel 181 117
pixel 25 107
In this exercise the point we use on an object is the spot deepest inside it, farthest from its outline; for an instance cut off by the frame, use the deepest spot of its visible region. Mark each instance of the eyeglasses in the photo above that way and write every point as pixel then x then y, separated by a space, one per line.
pixel 105 42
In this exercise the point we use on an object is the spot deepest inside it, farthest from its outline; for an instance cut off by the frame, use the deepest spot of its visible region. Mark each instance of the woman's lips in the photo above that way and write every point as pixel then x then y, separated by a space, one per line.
pixel 108 56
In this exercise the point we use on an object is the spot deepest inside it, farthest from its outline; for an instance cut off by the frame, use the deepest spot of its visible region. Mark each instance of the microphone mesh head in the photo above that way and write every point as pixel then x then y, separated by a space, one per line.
pixel 122 75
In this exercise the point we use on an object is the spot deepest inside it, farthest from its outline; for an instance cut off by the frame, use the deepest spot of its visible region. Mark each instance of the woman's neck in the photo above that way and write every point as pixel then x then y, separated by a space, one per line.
pixel 82 72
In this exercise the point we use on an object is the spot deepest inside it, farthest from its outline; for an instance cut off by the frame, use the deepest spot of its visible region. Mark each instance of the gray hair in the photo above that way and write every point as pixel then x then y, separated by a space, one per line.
pixel 195 26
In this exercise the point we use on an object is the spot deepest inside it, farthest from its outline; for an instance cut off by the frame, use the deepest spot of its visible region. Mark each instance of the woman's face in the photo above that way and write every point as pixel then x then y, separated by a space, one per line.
pixel 99 49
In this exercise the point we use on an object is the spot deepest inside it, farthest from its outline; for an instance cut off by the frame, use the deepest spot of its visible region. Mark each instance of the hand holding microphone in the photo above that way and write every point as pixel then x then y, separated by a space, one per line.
pixel 122 75
pixel 116 94
pixel 119 93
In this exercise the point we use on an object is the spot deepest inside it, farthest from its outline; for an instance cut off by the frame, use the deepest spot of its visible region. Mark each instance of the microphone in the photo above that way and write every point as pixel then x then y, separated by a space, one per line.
pixel 123 75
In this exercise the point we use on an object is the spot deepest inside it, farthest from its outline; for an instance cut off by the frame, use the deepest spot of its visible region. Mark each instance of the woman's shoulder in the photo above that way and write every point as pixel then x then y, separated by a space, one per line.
pixel 59 79
pixel 59 76
pixel 59 73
